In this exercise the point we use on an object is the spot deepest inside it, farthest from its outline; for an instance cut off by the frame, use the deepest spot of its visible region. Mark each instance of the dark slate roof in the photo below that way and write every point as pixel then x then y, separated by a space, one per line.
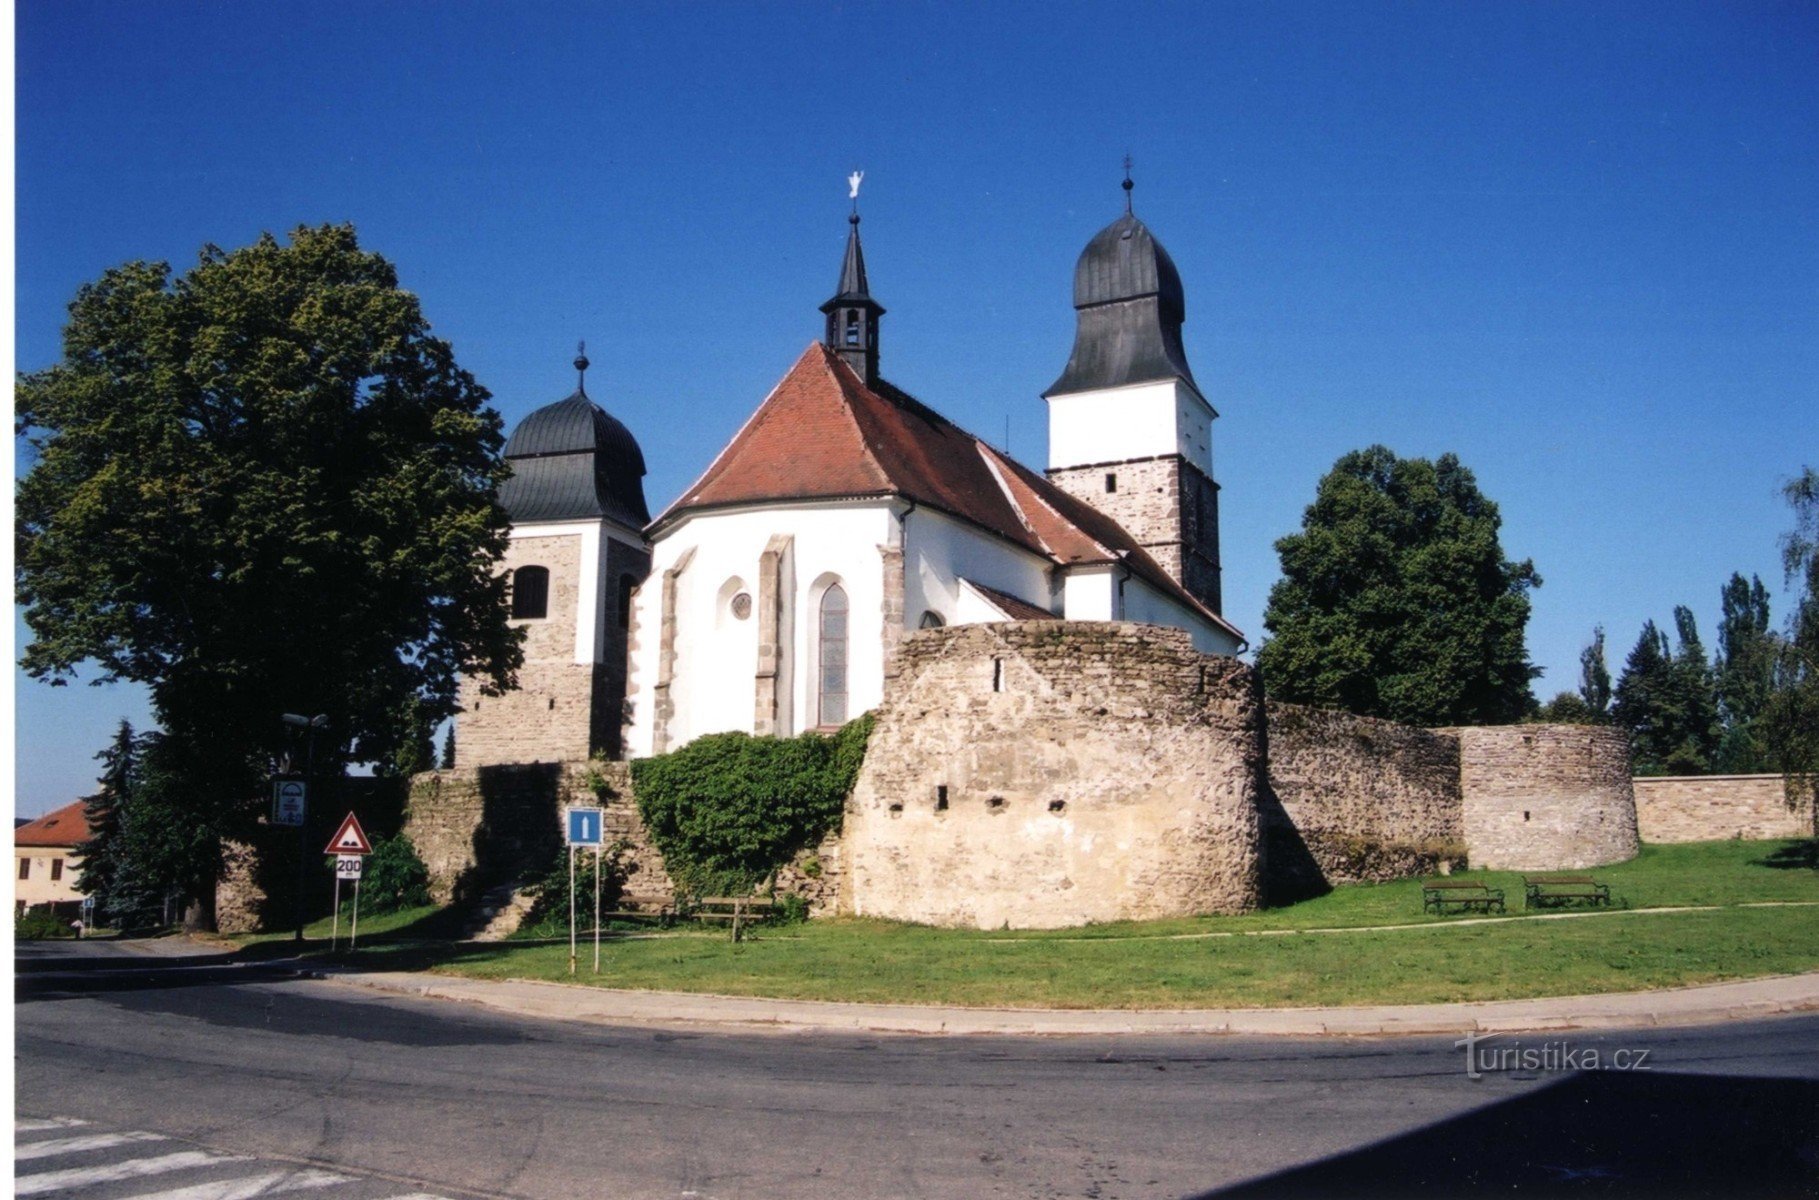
pixel 822 434
pixel 572 461
pixel 1130 305
pixel 853 287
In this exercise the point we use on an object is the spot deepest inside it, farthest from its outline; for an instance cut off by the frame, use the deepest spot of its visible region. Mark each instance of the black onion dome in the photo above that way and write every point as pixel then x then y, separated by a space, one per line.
pixel 1130 305
pixel 573 461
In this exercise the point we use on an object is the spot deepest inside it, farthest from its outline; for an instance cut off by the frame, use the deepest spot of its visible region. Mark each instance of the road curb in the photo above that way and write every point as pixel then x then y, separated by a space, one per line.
pixel 1698 1005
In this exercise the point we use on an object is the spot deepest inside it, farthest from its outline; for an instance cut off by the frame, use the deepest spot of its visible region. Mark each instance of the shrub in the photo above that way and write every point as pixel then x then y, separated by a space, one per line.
pixel 729 809
pixel 549 904
pixel 37 923
pixel 395 877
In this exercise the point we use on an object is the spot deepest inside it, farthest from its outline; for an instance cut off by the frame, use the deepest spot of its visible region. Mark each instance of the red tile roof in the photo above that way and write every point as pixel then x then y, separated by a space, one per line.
pixel 66 826
pixel 822 434
pixel 1011 606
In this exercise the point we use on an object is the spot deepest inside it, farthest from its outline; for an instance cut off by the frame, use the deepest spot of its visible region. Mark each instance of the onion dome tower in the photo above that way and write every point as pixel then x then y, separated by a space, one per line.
pixel 577 553
pixel 1129 431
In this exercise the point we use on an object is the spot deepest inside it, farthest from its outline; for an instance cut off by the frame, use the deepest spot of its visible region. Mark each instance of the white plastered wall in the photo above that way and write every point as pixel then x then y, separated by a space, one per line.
pixel 939 551
pixel 713 684
pixel 1142 420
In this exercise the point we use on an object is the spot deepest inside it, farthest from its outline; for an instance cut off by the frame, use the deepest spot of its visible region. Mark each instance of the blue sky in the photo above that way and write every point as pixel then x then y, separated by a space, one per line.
pixel 1574 243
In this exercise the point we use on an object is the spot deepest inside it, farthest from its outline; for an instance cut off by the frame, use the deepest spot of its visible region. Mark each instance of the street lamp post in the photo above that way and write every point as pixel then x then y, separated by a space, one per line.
pixel 310 726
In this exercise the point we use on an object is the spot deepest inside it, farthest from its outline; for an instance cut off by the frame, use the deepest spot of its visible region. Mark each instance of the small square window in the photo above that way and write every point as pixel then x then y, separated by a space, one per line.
pixel 1111 481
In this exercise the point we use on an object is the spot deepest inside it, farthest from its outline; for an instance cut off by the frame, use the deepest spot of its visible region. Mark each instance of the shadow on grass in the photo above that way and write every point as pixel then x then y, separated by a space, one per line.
pixel 1801 855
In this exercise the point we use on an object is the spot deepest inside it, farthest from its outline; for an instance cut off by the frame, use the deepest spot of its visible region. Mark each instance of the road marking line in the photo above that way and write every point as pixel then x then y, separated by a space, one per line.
pixel 75 1145
pixel 270 1184
pixel 39 1125
pixel 418 1196
pixel 50 1181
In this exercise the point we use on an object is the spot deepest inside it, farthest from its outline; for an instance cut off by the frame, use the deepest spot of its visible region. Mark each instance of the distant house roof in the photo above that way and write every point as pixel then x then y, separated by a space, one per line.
pixel 823 435
pixel 66 826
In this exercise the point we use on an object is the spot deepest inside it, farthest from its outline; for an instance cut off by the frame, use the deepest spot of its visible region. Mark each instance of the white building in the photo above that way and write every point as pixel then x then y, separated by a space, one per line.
pixel 846 513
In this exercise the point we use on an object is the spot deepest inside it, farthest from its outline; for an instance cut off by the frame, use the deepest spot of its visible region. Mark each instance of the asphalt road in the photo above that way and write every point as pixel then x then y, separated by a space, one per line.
pixel 436 1097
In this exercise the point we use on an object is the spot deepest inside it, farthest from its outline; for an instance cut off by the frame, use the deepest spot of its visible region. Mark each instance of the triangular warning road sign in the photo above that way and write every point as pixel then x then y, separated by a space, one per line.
pixel 349 839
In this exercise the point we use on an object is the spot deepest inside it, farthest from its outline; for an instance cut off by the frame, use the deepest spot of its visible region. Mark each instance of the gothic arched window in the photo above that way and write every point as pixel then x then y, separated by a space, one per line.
pixel 931 620
pixel 530 593
pixel 830 675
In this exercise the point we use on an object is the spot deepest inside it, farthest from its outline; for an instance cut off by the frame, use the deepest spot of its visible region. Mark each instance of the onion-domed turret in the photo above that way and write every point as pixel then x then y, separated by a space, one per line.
pixel 572 461
pixel 1129 306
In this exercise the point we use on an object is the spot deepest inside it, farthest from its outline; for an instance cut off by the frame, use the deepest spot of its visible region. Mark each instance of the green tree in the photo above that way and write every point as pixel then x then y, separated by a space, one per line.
pixel 1567 708
pixel 1595 679
pixel 1667 702
pixel 105 810
pixel 1790 716
pixel 1745 672
pixel 261 487
pixel 448 749
pixel 1396 600
pixel 1641 699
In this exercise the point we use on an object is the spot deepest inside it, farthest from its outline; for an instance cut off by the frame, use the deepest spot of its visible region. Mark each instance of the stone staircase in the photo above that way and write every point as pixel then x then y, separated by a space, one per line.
pixel 501 911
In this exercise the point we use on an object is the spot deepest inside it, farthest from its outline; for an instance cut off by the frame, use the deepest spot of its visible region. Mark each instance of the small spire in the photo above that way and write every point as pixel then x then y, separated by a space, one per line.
pixel 581 365
pixel 1128 185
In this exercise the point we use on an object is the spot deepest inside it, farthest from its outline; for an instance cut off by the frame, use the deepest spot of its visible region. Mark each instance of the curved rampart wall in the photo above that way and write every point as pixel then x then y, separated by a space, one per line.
pixel 1043 774
pixel 1546 797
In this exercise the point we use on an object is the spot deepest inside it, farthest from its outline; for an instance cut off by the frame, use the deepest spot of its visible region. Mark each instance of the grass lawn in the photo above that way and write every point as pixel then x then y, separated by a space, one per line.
pixel 1262 959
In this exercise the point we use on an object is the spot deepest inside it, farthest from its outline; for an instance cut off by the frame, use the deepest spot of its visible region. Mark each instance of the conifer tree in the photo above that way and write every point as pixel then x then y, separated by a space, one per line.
pixel 101 854
pixel 448 749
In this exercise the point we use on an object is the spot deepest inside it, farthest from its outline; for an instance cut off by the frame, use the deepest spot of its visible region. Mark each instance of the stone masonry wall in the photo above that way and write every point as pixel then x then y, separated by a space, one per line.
pixel 1547 797
pixel 1357 799
pixel 1043 774
pixel 550 716
pixel 1170 505
pixel 1709 808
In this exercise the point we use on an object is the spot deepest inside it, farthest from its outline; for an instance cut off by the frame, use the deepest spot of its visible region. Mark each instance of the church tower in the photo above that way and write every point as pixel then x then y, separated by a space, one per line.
pixel 1129 431
pixel 577 554
pixel 852 314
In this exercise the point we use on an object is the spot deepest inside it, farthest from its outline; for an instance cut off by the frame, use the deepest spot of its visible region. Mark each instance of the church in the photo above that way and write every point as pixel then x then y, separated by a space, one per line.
pixel 846 513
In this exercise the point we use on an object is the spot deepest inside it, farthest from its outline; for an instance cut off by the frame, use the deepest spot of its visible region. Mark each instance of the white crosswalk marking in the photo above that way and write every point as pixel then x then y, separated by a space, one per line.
pixel 37 1125
pixel 253 1180
pixel 269 1184
pixel 76 1145
pixel 50 1181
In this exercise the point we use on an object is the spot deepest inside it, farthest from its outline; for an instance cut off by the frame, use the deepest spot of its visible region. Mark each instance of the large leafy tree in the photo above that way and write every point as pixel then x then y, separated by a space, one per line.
pixel 1396 600
pixel 261 487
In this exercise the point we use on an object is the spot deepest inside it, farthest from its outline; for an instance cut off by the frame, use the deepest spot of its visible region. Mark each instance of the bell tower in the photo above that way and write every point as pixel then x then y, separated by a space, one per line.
pixel 1129 431
pixel 852 314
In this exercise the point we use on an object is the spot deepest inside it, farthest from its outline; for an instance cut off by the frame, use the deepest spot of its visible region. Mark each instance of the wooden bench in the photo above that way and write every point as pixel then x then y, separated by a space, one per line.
pixel 1550 891
pixel 740 911
pixel 1438 896
pixel 661 909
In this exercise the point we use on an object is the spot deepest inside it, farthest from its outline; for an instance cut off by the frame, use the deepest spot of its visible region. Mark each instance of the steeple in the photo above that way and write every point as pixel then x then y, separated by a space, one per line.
pixel 852 314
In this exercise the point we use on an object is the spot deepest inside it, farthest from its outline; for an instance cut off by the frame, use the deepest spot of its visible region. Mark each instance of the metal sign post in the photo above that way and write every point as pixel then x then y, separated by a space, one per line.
pixel 584 827
pixel 353 934
pixel 334 927
pixel 347 866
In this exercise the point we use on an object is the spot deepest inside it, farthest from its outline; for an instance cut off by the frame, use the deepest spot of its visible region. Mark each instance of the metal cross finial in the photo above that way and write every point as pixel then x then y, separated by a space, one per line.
pixel 1128 185
pixel 581 365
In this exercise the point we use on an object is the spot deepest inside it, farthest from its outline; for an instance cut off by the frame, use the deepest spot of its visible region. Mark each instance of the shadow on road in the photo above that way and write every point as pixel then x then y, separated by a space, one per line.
pixel 1596 1133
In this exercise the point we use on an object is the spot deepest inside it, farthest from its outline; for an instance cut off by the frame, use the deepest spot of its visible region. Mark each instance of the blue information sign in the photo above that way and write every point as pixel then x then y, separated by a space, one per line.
pixel 585 826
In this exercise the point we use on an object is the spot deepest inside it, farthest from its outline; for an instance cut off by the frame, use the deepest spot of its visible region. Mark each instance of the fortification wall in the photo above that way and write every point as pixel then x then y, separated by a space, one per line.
pixel 1546 797
pixel 1045 774
pixel 1354 798
pixel 1709 808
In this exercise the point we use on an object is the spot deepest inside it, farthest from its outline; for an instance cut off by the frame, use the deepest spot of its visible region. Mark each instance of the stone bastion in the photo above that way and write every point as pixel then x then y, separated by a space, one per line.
pixel 1042 774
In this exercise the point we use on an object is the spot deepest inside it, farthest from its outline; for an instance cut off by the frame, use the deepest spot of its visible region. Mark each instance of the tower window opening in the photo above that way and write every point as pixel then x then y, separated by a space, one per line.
pixel 1111 481
pixel 852 329
pixel 941 797
pixel 997 674
pixel 627 585
pixel 530 593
